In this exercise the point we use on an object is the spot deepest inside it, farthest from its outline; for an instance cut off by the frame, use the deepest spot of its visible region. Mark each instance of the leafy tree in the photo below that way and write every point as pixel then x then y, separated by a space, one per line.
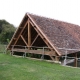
pixel 7 30
pixel 1 23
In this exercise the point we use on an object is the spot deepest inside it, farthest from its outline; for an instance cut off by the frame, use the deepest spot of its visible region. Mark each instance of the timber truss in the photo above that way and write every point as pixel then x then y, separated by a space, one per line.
pixel 29 34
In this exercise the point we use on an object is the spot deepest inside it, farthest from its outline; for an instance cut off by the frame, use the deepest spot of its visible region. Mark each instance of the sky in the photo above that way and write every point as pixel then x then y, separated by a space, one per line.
pixel 65 10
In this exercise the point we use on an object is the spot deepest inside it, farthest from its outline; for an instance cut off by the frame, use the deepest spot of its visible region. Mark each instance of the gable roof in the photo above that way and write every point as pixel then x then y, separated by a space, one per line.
pixel 59 34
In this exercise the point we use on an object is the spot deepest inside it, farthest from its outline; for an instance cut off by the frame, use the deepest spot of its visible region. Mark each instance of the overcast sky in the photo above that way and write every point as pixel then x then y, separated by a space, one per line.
pixel 65 10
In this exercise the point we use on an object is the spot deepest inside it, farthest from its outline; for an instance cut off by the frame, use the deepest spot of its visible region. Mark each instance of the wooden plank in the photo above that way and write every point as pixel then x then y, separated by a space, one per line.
pixel 40 52
pixel 20 27
pixel 34 51
pixel 51 57
pixel 29 35
pixel 14 38
pixel 19 50
pixel 50 53
pixel 56 58
pixel 31 22
pixel 34 39
pixel 24 40
pixel 75 61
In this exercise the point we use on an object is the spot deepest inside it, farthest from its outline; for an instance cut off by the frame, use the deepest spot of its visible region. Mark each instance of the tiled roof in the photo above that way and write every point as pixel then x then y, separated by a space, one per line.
pixel 60 34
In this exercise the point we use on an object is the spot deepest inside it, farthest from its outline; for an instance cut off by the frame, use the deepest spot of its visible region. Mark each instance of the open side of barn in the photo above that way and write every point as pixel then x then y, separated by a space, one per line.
pixel 44 36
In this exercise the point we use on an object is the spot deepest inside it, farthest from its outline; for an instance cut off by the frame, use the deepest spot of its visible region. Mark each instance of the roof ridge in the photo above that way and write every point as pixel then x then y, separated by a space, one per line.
pixel 52 19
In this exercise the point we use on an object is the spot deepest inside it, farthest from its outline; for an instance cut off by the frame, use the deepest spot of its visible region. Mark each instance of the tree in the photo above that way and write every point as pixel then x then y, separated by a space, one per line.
pixel 7 30
pixel 1 23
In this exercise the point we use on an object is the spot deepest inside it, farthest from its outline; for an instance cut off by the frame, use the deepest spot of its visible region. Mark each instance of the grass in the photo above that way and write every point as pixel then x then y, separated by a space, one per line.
pixel 13 68
pixel 2 48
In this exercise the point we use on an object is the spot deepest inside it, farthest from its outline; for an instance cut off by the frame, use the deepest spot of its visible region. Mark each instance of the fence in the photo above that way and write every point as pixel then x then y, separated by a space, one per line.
pixel 32 49
pixel 41 50
pixel 71 61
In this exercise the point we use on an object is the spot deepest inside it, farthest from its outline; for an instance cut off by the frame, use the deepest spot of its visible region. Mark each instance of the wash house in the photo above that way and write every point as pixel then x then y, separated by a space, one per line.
pixel 46 37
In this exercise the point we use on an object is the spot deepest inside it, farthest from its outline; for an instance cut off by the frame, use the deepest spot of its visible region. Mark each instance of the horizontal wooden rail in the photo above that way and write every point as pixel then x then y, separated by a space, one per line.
pixel 34 51
pixel 39 50
pixel 31 47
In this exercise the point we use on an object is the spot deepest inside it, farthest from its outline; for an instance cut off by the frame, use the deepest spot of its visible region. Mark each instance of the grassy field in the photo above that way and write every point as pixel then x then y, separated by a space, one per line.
pixel 2 48
pixel 14 68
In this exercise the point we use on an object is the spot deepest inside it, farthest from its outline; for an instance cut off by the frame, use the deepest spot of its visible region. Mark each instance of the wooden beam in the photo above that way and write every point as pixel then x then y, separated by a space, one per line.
pixel 20 27
pixel 33 52
pixel 31 22
pixel 29 34
pixel 25 33
pixel 14 38
pixel 24 40
pixel 20 33
pixel 56 58
pixel 75 61
pixel 34 39
pixel 52 58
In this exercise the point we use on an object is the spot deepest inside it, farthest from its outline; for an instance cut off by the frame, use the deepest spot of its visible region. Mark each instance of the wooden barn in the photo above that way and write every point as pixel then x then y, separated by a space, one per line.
pixel 47 37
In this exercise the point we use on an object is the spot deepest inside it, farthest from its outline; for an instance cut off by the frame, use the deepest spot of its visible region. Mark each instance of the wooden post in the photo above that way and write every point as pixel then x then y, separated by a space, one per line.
pixel 75 61
pixel 25 52
pixel 12 50
pixel 65 60
pixel 29 35
pixel 56 58
pixel 42 57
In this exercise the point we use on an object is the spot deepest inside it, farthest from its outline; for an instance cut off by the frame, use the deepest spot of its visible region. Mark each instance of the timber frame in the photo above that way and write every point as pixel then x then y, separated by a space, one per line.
pixel 25 34
pixel 40 35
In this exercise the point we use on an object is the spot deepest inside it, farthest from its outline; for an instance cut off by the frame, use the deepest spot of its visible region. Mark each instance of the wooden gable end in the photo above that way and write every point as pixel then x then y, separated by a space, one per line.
pixel 28 34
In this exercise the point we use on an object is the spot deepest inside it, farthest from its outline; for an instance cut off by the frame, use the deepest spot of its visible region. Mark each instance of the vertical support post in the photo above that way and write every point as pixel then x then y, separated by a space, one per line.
pixel 29 35
pixel 65 60
pixel 12 50
pixel 23 55
pixel 75 61
pixel 56 58
pixel 25 52
pixel 42 57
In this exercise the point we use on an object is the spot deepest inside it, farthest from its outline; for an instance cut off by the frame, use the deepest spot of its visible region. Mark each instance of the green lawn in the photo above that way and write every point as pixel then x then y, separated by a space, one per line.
pixel 2 48
pixel 13 68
